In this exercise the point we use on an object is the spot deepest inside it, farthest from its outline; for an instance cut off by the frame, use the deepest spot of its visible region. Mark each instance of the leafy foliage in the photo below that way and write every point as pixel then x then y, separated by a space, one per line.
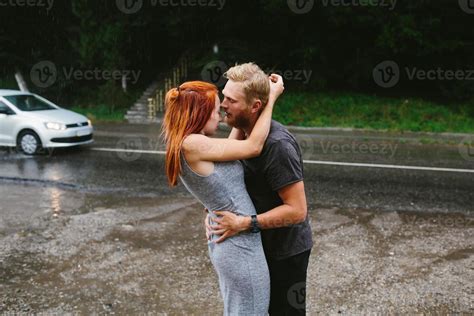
pixel 339 44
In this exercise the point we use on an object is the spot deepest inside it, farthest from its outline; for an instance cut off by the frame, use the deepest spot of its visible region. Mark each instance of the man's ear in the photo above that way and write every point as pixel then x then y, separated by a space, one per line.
pixel 256 106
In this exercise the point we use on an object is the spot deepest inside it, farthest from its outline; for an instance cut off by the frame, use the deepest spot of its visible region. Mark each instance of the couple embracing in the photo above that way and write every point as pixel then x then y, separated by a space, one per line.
pixel 251 183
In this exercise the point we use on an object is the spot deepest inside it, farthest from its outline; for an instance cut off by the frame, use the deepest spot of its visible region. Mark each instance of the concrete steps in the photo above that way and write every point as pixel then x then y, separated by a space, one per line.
pixel 138 113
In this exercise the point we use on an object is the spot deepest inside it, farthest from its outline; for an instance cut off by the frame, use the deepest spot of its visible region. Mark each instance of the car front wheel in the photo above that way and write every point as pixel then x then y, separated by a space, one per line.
pixel 29 143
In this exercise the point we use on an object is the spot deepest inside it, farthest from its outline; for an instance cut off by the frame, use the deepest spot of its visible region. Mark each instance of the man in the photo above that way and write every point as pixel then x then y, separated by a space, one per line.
pixel 274 181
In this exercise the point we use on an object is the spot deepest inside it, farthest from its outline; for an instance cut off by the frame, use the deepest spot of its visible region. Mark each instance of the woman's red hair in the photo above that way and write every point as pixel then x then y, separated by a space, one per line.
pixel 188 108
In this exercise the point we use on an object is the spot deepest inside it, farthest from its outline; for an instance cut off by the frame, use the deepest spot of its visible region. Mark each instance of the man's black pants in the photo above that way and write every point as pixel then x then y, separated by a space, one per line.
pixel 288 284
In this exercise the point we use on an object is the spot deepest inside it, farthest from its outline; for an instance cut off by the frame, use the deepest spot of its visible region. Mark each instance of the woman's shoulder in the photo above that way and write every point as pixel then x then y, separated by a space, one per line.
pixel 192 142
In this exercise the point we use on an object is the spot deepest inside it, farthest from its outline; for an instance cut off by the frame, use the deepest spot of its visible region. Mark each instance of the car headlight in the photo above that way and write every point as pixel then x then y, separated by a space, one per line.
pixel 89 122
pixel 55 126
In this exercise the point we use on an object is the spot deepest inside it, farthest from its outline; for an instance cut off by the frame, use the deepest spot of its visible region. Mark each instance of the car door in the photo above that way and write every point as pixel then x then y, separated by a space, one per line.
pixel 7 122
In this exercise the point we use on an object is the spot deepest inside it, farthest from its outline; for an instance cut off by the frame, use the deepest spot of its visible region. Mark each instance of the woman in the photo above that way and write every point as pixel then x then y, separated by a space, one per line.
pixel 210 169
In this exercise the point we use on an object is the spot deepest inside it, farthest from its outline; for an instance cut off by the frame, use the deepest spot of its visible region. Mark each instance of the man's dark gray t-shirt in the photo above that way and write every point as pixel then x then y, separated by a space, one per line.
pixel 279 165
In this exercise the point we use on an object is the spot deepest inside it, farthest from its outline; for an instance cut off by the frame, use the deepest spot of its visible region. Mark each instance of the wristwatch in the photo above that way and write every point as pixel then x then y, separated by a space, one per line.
pixel 254 228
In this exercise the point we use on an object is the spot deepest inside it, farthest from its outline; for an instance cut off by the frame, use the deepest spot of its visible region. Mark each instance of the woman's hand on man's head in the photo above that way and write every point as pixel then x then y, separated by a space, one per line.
pixel 277 86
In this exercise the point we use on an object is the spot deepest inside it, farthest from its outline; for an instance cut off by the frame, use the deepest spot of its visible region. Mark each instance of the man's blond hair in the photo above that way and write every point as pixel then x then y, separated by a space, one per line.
pixel 253 79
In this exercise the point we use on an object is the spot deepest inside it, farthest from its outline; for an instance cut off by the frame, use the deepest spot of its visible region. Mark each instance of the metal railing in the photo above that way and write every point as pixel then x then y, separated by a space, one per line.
pixel 171 80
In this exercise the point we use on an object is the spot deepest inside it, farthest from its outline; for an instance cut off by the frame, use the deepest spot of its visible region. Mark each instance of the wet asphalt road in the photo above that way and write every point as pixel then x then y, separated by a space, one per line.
pixel 142 174
pixel 84 230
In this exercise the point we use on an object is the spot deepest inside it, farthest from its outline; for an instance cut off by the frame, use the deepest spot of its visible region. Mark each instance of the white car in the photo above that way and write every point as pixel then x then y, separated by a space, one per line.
pixel 31 123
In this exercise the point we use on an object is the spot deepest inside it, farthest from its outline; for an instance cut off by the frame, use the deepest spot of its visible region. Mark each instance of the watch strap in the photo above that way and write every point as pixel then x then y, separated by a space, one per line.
pixel 254 228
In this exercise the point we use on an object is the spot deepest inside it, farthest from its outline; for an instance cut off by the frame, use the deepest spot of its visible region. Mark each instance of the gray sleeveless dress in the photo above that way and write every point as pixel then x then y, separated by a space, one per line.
pixel 239 261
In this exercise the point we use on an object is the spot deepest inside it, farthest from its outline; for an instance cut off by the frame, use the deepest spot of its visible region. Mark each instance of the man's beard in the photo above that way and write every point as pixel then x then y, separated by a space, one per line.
pixel 240 121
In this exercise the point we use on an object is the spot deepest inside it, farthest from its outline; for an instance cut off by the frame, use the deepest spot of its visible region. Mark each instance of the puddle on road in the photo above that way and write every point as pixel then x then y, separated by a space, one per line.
pixel 26 204
pixel 125 266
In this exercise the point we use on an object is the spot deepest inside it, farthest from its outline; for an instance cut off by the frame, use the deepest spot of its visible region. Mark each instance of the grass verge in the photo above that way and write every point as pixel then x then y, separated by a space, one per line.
pixel 371 112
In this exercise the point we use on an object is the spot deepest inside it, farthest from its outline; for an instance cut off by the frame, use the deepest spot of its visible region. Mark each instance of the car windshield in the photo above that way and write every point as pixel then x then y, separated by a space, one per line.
pixel 28 102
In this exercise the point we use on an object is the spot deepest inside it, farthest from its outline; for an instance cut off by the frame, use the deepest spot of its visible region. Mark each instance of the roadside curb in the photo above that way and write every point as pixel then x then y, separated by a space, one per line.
pixel 370 133
pixel 145 130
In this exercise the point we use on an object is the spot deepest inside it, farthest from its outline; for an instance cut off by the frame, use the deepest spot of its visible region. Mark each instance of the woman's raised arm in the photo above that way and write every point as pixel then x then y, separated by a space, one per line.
pixel 225 149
